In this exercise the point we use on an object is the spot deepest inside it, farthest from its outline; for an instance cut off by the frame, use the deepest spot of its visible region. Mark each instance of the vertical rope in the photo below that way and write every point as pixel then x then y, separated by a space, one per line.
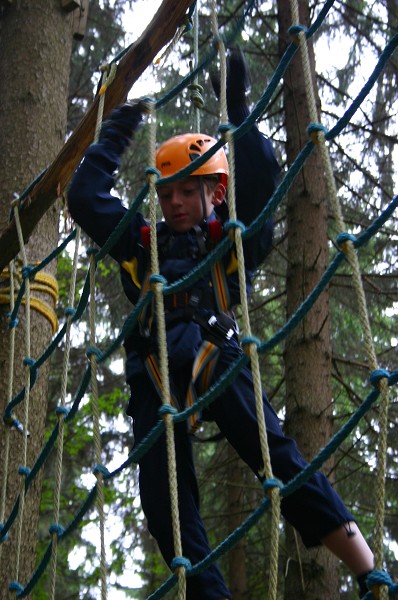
pixel 352 258
pixel 108 76
pixel 381 454
pixel 10 384
pixel 24 469
pixel 96 424
pixel 273 492
pixel 223 64
pixel 195 87
pixel 157 287
pixel 61 417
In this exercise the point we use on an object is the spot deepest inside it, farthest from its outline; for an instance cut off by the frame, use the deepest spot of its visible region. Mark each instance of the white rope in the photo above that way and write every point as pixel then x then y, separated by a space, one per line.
pixel 163 360
pixel 196 60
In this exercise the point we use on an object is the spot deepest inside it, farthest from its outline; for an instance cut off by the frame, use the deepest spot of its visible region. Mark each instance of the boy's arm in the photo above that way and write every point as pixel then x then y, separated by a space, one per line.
pixel 90 201
pixel 256 168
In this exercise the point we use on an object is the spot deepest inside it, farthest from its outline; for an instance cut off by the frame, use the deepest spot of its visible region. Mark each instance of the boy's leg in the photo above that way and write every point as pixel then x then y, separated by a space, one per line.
pixel 349 545
pixel 155 497
pixel 315 509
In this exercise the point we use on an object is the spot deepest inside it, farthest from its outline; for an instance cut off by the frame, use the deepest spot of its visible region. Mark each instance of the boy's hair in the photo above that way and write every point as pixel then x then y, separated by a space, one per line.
pixel 210 181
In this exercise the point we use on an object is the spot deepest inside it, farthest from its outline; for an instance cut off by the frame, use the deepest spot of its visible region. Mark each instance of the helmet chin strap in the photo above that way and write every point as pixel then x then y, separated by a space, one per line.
pixel 203 200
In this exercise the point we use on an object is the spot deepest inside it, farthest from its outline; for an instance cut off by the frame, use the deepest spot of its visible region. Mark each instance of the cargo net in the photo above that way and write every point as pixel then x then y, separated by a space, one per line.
pixel 24 279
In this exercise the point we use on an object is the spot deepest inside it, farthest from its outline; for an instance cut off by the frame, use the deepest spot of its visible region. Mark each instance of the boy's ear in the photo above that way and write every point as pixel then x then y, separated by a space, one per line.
pixel 218 194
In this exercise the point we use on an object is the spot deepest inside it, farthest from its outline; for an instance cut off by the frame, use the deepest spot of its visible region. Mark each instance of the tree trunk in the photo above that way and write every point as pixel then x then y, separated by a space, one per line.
pixel 308 351
pixel 36 42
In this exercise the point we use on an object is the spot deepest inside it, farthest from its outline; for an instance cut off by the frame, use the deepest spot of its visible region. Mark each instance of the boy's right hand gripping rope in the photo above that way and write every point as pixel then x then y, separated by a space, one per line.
pixel 122 123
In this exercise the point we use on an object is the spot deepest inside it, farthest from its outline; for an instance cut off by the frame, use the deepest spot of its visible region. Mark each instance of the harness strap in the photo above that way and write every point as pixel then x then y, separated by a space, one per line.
pixel 220 287
pixel 145 321
pixel 202 373
pixel 153 370
pixel 217 330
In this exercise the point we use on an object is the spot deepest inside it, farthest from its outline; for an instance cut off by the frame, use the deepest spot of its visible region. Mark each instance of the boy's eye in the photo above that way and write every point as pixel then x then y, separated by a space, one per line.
pixel 163 195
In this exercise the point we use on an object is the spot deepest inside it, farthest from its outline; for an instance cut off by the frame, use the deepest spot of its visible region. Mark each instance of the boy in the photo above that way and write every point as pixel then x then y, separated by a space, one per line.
pixel 184 237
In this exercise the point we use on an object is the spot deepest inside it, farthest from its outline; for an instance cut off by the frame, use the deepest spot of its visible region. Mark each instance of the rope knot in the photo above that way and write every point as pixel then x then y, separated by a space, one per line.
pixel 62 411
pixel 270 484
pixel 248 341
pixel 92 251
pixel 31 363
pixel 375 579
pixel 15 586
pixel 70 311
pixel 313 129
pixel 295 31
pixel 167 409
pixel 156 278
pixel 149 171
pixel 181 561
pixel 25 471
pixel 231 226
pixel 377 376
pixel 226 130
pixel 26 271
pixel 188 25
pixel 93 350
pixel 11 421
pixel 13 323
pixel 101 469
pixel 343 240
pixel 56 529
pixel 28 362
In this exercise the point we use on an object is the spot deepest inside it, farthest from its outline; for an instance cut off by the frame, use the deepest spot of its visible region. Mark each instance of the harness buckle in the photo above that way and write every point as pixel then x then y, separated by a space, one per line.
pixel 218 328
pixel 227 332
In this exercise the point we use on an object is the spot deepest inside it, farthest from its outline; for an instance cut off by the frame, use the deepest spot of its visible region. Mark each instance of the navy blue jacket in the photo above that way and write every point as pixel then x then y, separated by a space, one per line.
pixel 97 211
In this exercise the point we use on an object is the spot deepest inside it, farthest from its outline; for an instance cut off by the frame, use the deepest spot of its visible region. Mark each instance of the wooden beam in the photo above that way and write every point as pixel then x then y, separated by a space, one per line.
pixel 159 32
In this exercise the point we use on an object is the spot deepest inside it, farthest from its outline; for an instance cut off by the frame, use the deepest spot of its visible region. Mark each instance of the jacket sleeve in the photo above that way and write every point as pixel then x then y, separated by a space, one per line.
pixel 256 177
pixel 94 208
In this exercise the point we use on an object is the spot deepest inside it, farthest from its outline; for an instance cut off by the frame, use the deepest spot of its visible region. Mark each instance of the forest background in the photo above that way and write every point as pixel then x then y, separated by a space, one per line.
pixel 315 380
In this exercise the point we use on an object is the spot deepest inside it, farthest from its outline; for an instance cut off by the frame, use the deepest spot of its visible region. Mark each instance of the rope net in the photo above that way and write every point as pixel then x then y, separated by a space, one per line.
pixel 33 277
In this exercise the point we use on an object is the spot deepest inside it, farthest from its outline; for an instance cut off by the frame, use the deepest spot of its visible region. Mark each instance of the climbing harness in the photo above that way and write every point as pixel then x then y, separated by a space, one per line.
pixel 217 328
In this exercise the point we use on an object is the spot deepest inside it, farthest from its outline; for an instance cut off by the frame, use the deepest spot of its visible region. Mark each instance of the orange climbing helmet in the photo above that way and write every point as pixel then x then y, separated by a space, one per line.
pixel 181 150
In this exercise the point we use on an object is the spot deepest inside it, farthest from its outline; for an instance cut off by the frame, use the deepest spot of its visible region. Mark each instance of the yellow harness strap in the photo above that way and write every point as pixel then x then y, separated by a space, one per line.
pixel 202 373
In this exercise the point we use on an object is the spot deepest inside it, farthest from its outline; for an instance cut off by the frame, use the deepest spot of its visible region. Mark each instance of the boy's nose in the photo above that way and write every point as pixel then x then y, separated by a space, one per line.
pixel 176 197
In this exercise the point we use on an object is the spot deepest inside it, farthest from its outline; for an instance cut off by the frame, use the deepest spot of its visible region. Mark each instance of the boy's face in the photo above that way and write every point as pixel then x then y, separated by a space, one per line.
pixel 181 203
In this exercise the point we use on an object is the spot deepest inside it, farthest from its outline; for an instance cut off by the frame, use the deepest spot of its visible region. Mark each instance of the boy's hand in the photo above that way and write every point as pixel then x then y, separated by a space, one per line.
pixel 122 123
pixel 238 82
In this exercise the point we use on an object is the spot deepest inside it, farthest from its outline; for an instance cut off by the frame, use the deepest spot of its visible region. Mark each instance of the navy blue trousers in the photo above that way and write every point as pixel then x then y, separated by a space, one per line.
pixel 314 510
